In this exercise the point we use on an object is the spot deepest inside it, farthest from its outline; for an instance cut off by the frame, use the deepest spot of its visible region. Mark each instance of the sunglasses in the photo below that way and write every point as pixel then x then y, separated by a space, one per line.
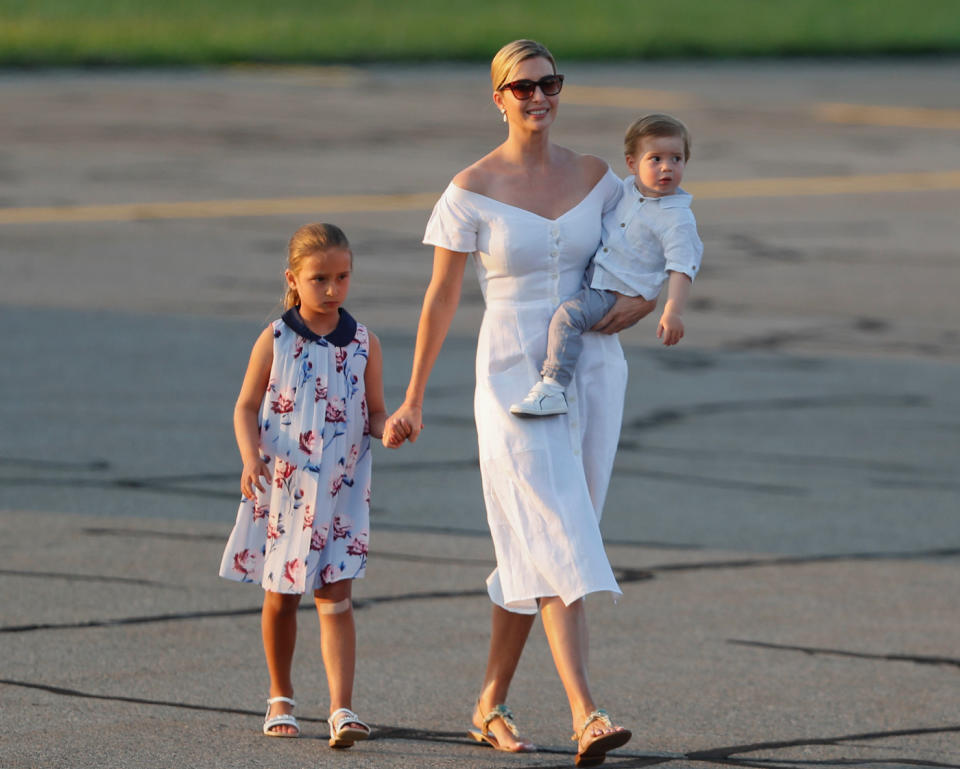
pixel 524 89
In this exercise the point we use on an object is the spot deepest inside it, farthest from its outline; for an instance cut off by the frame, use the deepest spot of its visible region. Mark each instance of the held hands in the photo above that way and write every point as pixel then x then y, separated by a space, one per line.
pixel 253 471
pixel 404 424
pixel 626 311
pixel 670 329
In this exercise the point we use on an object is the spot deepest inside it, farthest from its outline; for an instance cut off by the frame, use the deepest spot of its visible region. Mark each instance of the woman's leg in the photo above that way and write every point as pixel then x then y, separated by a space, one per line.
pixel 566 629
pixel 338 641
pixel 278 624
pixel 508 635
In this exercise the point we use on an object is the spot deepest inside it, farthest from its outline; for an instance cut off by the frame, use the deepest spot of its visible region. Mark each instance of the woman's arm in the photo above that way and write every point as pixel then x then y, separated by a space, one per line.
pixel 439 306
pixel 625 312
pixel 373 385
pixel 245 414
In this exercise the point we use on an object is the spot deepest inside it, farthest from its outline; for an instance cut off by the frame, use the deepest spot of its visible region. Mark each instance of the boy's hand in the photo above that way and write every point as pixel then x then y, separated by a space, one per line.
pixel 670 328
pixel 251 475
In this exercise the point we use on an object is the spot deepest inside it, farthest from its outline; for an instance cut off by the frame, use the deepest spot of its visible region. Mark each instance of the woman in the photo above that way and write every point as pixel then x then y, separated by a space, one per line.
pixel 530 213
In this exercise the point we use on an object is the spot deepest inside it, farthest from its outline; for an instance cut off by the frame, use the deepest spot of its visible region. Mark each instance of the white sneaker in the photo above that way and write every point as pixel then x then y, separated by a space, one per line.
pixel 541 401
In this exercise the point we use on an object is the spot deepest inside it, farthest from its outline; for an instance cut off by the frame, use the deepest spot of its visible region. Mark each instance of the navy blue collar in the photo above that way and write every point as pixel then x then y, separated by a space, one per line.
pixel 341 336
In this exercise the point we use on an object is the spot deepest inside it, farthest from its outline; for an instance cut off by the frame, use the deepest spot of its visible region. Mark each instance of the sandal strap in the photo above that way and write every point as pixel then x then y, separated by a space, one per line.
pixel 343 716
pixel 288 700
pixel 597 715
pixel 502 712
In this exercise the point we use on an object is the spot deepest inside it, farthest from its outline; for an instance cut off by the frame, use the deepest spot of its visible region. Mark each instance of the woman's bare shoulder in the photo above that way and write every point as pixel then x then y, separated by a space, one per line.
pixel 480 176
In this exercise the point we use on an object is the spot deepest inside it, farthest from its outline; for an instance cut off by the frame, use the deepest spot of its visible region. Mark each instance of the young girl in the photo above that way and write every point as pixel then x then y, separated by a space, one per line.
pixel 311 398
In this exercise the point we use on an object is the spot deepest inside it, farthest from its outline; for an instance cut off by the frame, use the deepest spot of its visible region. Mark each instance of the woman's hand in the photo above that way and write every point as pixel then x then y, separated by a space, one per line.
pixel 625 312
pixel 404 424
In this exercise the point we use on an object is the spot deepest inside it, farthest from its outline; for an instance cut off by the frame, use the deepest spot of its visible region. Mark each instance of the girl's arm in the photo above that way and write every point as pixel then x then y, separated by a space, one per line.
pixel 670 328
pixel 439 306
pixel 245 425
pixel 373 384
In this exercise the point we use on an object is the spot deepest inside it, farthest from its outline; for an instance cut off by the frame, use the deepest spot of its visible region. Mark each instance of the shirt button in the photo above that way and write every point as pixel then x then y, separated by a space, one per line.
pixel 623 224
pixel 606 250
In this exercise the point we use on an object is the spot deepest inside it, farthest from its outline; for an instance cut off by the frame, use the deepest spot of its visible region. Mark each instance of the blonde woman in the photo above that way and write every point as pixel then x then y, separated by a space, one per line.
pixel 530 214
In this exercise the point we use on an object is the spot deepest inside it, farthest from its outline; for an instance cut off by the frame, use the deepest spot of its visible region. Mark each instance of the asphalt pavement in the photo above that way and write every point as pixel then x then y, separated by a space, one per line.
pixel 783 512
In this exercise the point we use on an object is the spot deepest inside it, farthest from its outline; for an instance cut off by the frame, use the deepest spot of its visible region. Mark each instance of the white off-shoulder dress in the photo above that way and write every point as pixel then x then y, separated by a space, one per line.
pixel 544 479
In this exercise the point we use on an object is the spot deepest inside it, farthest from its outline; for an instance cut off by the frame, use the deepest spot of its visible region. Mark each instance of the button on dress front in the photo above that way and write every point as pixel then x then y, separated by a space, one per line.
pixel 544 479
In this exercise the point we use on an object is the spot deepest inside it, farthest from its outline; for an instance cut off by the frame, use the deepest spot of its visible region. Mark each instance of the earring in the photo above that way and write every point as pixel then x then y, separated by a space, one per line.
pixel 504 113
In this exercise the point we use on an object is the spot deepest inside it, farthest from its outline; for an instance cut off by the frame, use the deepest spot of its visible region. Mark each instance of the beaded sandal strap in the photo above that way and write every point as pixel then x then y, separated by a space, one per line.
pixel 502 712
pixel 597 715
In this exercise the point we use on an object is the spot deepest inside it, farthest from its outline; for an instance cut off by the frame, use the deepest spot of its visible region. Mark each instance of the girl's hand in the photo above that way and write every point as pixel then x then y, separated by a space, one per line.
pixel 625 312
pixel 670 328
pixel 404 424
pixel 250 478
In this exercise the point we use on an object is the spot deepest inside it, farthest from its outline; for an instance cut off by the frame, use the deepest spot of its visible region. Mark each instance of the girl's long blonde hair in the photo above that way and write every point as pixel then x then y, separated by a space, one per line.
pixel 305 242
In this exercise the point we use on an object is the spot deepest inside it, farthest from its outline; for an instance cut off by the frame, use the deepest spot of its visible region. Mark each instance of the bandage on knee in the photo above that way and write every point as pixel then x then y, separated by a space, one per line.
pixel 334 608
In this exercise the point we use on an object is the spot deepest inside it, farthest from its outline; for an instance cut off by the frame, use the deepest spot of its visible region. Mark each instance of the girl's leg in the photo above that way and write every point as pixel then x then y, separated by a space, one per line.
pixel 566 629
pixel 338 641
pixel 278 623
pixel 508 635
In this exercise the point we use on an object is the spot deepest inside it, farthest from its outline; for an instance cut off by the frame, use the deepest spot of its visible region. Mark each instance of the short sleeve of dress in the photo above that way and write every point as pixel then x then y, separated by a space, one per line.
pixel 612 190
pixel 453 224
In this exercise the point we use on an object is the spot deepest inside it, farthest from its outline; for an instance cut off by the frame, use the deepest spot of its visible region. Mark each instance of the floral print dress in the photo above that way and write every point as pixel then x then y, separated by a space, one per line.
pixel 311 525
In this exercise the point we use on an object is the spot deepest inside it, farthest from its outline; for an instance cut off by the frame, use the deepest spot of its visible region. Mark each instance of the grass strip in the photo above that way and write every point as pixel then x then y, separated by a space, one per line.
pixel 218 32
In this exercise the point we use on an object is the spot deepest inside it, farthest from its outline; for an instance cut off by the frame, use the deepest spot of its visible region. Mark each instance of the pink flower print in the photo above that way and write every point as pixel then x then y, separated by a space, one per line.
pixel 298 347
pixel 361 337
pixel 282 472
pixel 327 575
pixel 308 518
pixel 352 460
pixel 273 530
pixel 365 416
pixel 260 511
pixel 366 495
pixel 358 546
pixel 293 571
pixel 245 562
pixel 341 355
pixel 341 526
pixel 319 539
pixel 283 404
pixel 336 410
pixel 308 442
pixel 321 389
pixel 336 483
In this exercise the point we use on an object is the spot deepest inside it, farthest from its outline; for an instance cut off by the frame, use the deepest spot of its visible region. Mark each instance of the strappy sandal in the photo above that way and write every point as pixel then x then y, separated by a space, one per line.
pixel 284 719
pixel 595 751
pixel 346 728
pixel 483 734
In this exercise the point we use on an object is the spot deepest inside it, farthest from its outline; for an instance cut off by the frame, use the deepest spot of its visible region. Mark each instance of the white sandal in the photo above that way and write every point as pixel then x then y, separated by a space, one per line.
pixel 346 728
pixel 284 719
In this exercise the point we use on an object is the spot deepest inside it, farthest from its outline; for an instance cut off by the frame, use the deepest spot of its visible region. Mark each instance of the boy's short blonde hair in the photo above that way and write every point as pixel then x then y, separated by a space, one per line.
pixel 655 125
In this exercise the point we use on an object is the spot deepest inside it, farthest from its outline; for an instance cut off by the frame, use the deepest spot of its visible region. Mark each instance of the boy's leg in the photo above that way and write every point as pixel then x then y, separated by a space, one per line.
pixel 572 319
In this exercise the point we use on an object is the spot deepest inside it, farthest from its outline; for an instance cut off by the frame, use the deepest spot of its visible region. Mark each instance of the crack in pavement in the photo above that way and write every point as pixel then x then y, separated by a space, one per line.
pixel 918 659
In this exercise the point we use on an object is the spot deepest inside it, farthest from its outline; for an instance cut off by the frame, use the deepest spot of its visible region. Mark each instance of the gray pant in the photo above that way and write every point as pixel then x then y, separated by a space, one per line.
pixel 578 314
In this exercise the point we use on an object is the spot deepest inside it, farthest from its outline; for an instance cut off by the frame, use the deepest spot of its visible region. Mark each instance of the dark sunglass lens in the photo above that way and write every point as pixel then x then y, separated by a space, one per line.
pixel 523 89
pixel 551 84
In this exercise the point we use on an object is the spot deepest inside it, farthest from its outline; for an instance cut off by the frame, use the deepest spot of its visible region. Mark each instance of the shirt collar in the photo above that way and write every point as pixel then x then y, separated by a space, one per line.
pixel 679 199
pixel 341 336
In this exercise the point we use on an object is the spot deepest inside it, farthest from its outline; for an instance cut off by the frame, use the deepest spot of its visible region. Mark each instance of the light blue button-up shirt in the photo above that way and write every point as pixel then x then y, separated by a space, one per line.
pixel 643 239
